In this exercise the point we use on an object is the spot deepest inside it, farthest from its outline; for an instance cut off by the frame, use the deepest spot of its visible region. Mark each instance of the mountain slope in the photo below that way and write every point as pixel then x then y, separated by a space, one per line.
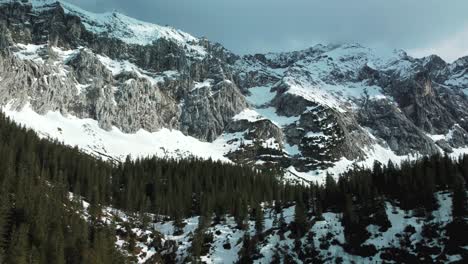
pixel 177 211
pixel 309 112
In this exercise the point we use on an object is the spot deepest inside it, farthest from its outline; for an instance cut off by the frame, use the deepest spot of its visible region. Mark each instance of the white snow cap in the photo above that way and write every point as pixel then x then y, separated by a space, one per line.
pixel 113 24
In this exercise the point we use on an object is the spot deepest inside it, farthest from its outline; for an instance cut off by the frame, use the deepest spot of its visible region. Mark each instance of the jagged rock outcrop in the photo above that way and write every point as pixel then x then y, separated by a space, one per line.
pixel 207 111
pixel 388 123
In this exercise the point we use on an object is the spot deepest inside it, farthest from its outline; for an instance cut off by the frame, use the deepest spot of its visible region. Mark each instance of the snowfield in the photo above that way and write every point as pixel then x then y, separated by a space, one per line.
pixel 88 136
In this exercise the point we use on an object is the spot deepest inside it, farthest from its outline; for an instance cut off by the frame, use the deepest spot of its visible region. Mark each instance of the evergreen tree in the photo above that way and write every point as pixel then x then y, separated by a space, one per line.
pixel 459 207
pixel 17 252
pixel 242 215
pixel 319 212
pixel 198 239
pixel 248 249
pixel 300 219
pixel 5 221
pixel 259 219
pixel 56 246
pixel 310 251
pixel 131 242
pixel 349 216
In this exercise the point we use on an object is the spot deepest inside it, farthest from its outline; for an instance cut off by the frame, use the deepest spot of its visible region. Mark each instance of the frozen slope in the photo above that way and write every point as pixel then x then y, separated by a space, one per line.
pixel 88 136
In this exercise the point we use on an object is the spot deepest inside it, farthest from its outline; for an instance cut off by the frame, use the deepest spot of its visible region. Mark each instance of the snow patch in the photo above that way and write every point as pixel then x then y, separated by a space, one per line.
pixel 87 135
pixel 260 95
pixel 249 115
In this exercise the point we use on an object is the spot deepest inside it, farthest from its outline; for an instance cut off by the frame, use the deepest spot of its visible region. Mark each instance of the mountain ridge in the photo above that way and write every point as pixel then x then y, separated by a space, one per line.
pixel 309 112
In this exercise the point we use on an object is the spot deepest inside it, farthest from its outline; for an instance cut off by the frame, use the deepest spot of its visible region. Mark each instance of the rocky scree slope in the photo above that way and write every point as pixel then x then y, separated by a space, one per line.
pixel 308 111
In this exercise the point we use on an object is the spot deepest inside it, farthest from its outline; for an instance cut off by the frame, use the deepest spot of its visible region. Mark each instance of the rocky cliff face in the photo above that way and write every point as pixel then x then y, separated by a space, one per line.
pixel 305 111
pixel 121 79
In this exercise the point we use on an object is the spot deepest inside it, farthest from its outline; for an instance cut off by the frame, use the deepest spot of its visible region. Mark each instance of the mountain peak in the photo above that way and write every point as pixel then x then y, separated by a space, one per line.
pixel 114 24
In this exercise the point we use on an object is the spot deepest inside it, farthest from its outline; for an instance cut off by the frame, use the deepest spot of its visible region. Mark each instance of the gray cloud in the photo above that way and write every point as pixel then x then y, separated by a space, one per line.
pixel 250 26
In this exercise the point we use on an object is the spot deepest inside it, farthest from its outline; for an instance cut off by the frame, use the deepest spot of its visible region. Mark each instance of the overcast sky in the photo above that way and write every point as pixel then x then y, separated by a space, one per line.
pixel 421 27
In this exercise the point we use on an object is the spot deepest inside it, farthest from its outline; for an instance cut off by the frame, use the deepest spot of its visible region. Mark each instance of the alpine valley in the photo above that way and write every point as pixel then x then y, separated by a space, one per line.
pixel 123 91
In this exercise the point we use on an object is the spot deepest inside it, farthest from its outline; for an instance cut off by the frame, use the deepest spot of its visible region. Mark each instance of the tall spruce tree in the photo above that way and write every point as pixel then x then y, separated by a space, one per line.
pixel 300 219
pixel 259 219
pixel 459 207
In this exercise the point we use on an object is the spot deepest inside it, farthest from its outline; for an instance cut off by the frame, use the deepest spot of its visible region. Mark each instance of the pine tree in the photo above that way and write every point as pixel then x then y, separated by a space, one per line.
pixel 197 242
pixel 56 246
pixel 282 221
pixel 459 207
pixel 259 219
pixel 300 218
pixel 247 250
pixel 17 253
pixel 242 214
pixel 331 190
pixel 4 220
pixel 131 242
pixel 34 257
pixel 178 225
pixel 319 212
pixel 275 218
pixel 349 216
pixel 311 253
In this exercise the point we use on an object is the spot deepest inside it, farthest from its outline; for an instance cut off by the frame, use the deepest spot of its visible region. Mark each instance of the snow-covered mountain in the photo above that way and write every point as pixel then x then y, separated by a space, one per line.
pixel 115 86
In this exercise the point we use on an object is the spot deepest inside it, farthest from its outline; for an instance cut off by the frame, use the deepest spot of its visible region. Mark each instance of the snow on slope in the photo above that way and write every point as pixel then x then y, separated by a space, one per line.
pixel 120 66
pixel 315 78
pixel 377 153
pixel 400 219
pixel 127 29
pixel 224 233
pixel 328 234
pixel 325 231
pixel 87 135
pixel 32 52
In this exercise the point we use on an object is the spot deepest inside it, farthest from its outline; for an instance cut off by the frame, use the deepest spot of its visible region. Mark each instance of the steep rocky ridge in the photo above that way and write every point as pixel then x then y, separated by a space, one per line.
pixel 118 94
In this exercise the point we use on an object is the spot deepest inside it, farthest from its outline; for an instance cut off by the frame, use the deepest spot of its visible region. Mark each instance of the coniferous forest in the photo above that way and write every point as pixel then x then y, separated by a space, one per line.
pixel 39 222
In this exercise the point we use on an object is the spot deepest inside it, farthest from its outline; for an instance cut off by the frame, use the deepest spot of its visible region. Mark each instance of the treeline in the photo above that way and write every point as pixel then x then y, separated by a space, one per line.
pixel 411 184
pixel 182 188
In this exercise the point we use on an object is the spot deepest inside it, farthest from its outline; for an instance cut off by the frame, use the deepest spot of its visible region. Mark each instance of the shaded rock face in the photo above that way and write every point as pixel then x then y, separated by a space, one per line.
pixel 418 100
pixel 316 106
pixel 388 123
pixel 87 67
pixel 207 111
pixel 46 88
